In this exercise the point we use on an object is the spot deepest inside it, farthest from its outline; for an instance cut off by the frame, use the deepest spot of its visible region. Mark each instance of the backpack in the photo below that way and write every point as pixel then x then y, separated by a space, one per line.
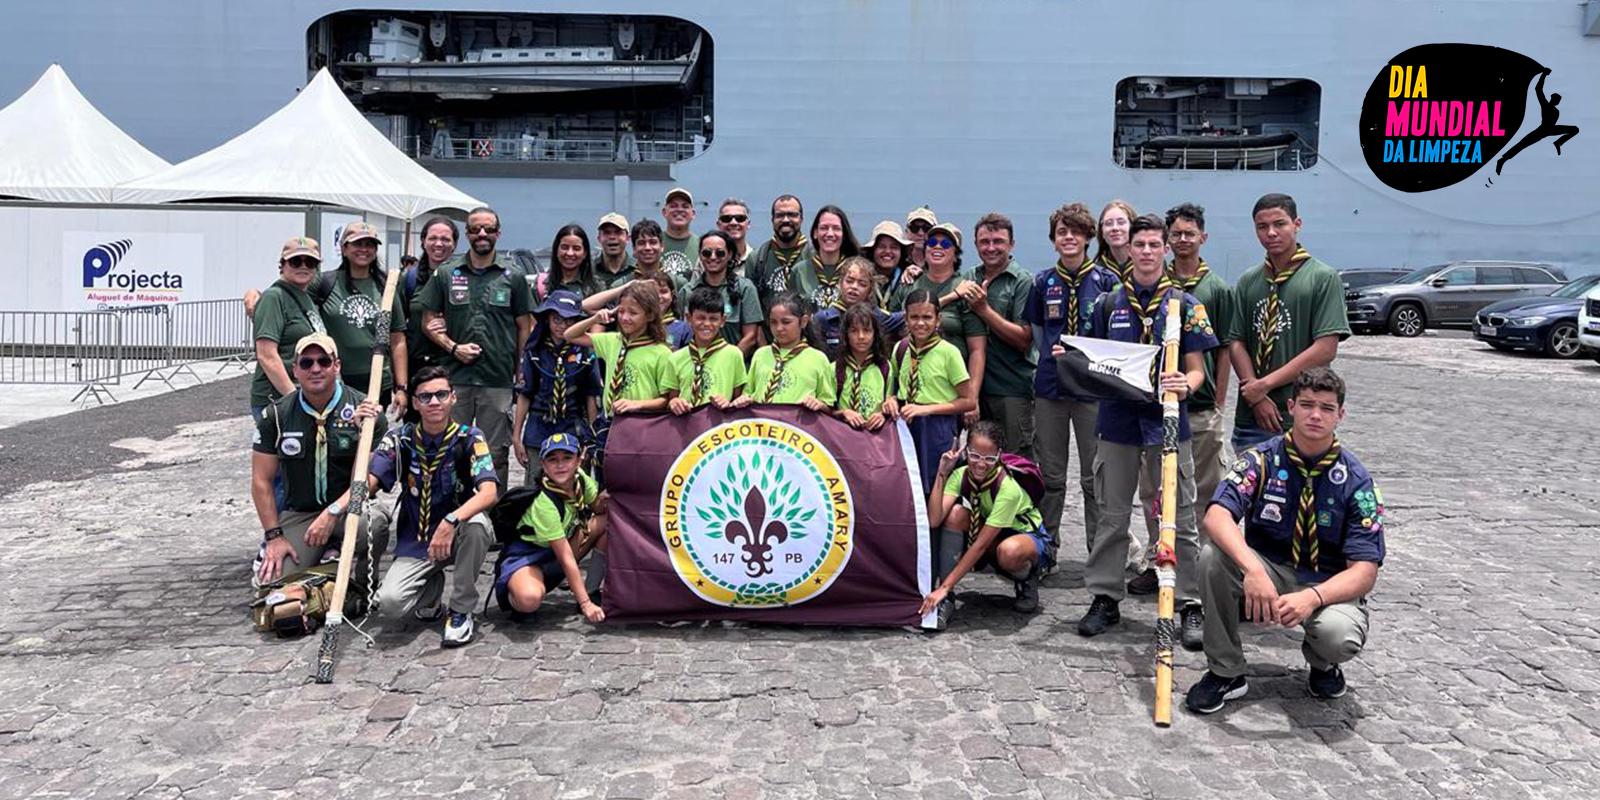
pixel 506 515
pixel 296 605
pixel 1027 475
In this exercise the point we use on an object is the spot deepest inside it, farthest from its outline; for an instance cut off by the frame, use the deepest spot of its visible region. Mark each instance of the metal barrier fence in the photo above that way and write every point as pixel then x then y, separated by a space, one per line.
pixel 97 349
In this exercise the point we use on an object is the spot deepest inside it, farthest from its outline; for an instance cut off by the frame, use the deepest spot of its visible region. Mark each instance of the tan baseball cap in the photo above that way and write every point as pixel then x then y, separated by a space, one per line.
pixel 300 246
pixel 358 230
pixel 613 219
pixel 888 228
pixel 947 228
pixel 318 339
pixel 922 213
pixel 674 192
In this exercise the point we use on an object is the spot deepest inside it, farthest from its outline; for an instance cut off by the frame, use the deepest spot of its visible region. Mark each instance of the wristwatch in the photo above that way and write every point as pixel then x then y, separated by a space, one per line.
pixel 335 509
pixel 452 518
pixel 274 532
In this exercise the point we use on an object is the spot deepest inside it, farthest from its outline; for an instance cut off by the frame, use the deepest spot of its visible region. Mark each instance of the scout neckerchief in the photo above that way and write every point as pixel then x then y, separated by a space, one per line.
pixel 565 496
pixel 827 285
pixel 1305 521
pixel 884 289
pixel 853 396
pixel 1074 280
pixel 698 356
pixel 668 315
pixel 1189 283
pixel 917 352
pixel 619 373
pixel 558 384
pixel 1147 312
pixel 779 361
pixel 1120 269
pixel 312 318
pixel 778 281
pixel 321 455
pixel 1269 323
pixel 428 461
pixel 978 492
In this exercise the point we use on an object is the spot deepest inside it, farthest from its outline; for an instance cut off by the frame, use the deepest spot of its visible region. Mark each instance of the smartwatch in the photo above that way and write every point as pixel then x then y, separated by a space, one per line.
pixel 335 509
pixel 452 519
pixel 274 532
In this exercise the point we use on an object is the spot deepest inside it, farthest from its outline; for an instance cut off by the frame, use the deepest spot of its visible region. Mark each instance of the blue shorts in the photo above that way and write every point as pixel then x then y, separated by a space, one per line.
pixel 1043 549
pixel 521 554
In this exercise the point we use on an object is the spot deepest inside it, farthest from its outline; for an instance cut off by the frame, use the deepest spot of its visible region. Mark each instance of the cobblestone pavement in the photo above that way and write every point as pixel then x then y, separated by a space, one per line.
pixel 126 667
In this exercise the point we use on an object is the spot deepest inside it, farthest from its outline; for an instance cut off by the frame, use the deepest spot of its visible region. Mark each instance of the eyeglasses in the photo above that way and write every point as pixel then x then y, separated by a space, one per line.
pixel 321 362
pixel 919 227
pixel 939 242
pixel 733 218
pixel 484 229
pixel 713 253
pixel 973 455
pixel 430 398
pixel 785 215
pixel 304 262
pixel 1184 236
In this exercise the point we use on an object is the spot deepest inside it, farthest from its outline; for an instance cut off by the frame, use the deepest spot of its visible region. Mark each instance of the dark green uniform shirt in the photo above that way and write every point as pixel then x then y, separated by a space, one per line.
pixel 284 314
pixel 1311 306
pixel 1217 296
pixel 288 430
pixel 679 257
pixel 420 350
pixel 352 320
pixel 956 321
pixel 771 268
pixel 1007 372
pixel 481 307
pixel 609 279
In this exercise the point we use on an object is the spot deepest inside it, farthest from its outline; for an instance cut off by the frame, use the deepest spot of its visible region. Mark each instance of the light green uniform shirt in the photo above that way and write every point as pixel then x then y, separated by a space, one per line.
pixel 956 321
pixel 1009 509
pixel 808 372
pixel 938 375
pixel 862 391
pixel 644 372
pixel 547 520
pixel 722 376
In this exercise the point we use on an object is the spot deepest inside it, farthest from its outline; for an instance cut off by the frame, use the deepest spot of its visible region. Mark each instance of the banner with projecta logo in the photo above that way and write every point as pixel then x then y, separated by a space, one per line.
pixel 771 513
pixel 111 270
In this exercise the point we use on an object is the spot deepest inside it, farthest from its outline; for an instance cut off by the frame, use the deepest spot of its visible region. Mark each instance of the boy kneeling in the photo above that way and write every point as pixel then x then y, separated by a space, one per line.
pixel 1309 554
pixel 567 507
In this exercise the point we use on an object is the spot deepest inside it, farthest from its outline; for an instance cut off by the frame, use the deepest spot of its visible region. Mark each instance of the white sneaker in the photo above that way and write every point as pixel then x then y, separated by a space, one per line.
pixel 457 630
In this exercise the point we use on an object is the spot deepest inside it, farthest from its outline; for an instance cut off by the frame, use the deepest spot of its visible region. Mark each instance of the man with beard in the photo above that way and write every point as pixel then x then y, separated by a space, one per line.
pixel 679 248
pixel 733 219
pixel 774 263
pixel 480 311
pixel 613 267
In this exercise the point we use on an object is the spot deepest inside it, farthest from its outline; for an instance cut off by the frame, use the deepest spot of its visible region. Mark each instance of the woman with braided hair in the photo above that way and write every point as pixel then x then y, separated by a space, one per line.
pixel 931 383
pixel 741 305
pixel 985 518
pixel 793 369
pixel 555 385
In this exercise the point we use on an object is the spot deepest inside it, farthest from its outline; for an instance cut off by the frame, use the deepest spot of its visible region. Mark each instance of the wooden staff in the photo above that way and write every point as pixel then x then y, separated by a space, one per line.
pixel 329 649
pixel 1166 560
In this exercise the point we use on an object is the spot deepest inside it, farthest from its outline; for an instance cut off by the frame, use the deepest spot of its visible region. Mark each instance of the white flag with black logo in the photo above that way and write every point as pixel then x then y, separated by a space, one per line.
pixel 1108 370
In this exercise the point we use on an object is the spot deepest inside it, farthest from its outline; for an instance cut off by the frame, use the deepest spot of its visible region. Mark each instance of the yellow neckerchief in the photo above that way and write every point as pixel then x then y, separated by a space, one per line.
pixel 914 375
pixel 975 492
pixel 1147 312
pixel 786 257
pixel 558 387
pixel 619 379
pixel 429 462
pixel 1074 280
pixel 1122 270
pixel 853 395
pixel 779 361
pixel 1189 283
pixel 1269 324
pixel 698 356
pixel 1305 521
pixel 573 497
pixel 827 285
pixel 320 469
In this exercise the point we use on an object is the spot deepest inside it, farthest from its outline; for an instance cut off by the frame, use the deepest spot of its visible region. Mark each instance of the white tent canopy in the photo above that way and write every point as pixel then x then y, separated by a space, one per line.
pixel 56 147
pixel 318 149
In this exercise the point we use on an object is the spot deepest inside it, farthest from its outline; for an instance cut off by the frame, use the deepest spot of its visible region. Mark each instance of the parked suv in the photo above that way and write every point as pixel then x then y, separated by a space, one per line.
pixel 1589 322
pixel 1447 295
pixel 1355 280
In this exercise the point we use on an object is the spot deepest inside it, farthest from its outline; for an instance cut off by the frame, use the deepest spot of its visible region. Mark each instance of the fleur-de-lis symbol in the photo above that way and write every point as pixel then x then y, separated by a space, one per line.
pixel 758 539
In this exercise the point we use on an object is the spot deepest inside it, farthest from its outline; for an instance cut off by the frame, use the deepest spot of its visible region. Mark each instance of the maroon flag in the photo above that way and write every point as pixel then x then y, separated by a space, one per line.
pixel 771 513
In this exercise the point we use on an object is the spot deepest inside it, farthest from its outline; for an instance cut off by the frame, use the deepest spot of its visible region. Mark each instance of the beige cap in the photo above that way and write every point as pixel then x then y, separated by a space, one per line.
pixel 300 246
pixel 947 228
pixel 318 339
pixel 888 228
pixel 674 192
pixel 923 213
pixel 358 230
pixel 613 219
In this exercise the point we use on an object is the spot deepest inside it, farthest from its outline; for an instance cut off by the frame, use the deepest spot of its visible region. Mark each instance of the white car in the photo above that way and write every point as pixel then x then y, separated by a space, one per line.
pixel 1589 322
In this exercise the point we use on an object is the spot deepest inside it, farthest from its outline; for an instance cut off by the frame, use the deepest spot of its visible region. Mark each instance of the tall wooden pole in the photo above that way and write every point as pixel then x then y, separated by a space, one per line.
pixel 1166 560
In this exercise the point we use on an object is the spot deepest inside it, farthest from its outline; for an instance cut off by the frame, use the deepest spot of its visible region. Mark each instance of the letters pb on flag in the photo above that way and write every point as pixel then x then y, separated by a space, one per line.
pixel 770 513
pixel 1107 370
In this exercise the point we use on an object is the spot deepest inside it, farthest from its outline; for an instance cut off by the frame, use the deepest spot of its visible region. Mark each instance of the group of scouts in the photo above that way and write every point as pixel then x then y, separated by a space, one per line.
pixel 487 362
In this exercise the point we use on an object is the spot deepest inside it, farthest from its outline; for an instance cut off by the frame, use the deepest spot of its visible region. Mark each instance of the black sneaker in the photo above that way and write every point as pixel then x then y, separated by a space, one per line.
pixel 1327 684
pixel 1027 591
pixel 1145 583
pixel 1194 627
pixel 1212 691
pixel 1102 614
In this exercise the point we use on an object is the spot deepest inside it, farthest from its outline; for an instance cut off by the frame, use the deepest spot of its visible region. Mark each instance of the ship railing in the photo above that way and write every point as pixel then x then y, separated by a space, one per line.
pixel 96 350
pixel 1276 158
pixel 553 150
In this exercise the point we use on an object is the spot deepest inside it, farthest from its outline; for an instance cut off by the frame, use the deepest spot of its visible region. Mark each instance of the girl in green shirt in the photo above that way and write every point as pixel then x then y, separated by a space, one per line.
pixel 636 361
pixel 862 371
pixel 931 383
pixel 708 369
pixel 793 369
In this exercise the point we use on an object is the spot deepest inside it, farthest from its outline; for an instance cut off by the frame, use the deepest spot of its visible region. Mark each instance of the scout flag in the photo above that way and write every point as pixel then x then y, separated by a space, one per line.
pixel 771 513
pixel 1108 370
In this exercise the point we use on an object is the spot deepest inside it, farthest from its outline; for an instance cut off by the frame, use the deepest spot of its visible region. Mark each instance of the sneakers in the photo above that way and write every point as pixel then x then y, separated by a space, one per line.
pixel 1102 614
pixel 1212 691
pixel 431 613
pixel 1194 627
pixel 1027 591
pixel 1145 583
pixel 457 630
pixel 1327 684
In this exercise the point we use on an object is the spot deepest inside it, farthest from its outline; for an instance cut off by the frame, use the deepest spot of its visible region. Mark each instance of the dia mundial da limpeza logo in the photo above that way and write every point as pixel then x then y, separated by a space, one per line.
pixel 757 513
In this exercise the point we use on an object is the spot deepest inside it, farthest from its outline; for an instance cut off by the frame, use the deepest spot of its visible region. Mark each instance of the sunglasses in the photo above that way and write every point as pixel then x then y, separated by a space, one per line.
pixel 484 229
pixel 322 362
pixel 973 455
pixel 708 253
pixel 738 218
pixel 430 398
pixel 919 227
pixel 304 262
pixel 940 242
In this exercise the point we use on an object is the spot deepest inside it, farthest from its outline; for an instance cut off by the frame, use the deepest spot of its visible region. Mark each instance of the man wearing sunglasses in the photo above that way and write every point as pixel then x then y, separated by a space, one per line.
pixel 486 310
pixel 309 438
pixel 733 219
pixel 447 484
